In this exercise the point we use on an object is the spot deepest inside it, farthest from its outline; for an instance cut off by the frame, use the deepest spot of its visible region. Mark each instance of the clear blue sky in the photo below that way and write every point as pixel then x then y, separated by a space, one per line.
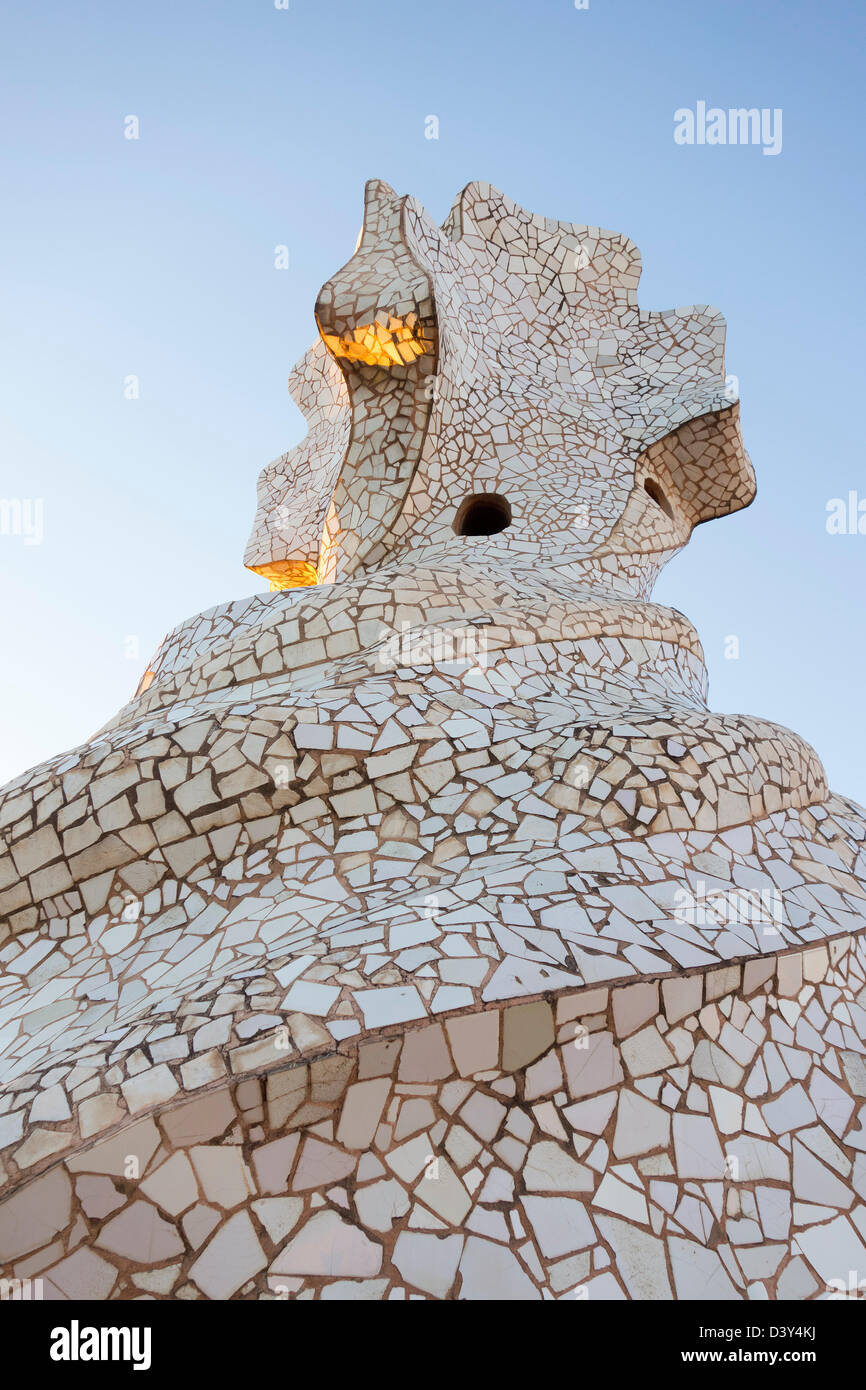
pixel 258 127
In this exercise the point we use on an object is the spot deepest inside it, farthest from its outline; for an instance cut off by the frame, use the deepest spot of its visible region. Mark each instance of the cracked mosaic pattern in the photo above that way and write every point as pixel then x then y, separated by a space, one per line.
pixel 699 1138
pixel 416 930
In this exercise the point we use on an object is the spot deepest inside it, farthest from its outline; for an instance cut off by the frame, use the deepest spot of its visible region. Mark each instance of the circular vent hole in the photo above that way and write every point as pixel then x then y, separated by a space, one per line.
pixel 652 488
pixel 483 514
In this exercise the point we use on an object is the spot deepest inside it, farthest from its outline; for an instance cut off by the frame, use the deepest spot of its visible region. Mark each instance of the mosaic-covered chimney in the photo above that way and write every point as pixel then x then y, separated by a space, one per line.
pixel 416 930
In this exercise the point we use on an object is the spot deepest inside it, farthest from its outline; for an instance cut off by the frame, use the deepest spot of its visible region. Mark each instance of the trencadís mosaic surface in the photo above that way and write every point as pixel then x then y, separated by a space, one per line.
pixel 416 930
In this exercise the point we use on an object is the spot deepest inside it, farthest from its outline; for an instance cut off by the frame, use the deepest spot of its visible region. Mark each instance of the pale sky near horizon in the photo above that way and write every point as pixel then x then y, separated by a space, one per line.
pixel 258 127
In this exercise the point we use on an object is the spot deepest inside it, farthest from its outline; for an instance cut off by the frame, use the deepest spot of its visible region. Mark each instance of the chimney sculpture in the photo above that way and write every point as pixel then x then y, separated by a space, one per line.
pixel 417 929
